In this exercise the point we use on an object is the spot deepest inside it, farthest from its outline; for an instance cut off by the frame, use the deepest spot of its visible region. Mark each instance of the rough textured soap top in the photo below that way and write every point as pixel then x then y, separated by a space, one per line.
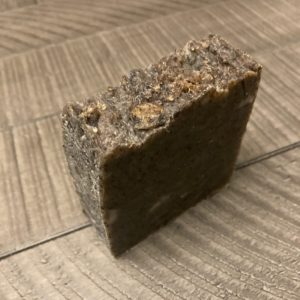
pixel 147 99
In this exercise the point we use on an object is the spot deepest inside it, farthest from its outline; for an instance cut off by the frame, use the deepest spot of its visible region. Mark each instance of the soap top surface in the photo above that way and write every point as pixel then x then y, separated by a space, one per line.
pixel 148 99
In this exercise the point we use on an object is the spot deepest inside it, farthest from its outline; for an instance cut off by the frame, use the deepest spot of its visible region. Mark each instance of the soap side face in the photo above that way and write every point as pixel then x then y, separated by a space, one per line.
pixel 147 186
pixel 83 159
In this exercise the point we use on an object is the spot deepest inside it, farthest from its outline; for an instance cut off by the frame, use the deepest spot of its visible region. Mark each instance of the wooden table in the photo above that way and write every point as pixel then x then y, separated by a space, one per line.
pixel 243 243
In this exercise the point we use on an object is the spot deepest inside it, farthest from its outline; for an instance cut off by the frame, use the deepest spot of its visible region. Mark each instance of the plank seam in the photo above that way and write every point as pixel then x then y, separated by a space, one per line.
pixel 267 155
pixel 46 240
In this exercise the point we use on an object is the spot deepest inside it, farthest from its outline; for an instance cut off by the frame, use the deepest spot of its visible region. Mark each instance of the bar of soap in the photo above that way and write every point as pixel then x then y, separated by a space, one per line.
pixel 168 136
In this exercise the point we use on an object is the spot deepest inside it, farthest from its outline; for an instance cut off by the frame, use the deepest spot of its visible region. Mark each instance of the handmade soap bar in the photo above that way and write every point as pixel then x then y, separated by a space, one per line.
pixel 165 138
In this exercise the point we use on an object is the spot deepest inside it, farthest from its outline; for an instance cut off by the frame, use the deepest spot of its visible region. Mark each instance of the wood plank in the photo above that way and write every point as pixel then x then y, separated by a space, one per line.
pixel 6 5
pixel 52 22
pixel 12 206
pixel 243 243
pixel 37 197
pixel 275 119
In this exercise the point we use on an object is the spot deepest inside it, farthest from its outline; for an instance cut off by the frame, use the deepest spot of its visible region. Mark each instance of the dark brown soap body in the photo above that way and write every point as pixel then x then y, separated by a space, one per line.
pixel 168 136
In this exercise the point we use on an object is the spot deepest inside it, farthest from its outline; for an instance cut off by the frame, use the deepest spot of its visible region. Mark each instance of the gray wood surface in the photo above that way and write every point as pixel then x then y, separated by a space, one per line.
pixel 53 22
pixel 6 5
pixel 241 244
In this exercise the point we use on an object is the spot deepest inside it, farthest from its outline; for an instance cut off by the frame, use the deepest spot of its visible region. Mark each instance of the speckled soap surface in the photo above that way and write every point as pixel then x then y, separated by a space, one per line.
pixel 166 137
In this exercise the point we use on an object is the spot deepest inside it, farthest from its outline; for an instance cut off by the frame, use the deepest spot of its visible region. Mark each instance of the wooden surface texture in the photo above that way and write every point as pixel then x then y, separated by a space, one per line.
pixel 243 243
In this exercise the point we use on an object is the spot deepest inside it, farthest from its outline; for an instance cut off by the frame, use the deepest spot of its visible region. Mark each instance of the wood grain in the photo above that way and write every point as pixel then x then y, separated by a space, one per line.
pixel 242 243
pixel 6 5
pixel 13 212
pixel 36 192
pixel 275 119
pixel 53 22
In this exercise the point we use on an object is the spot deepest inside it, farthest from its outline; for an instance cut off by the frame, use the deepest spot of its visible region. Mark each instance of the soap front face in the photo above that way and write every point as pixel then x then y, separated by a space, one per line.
pixel 169 136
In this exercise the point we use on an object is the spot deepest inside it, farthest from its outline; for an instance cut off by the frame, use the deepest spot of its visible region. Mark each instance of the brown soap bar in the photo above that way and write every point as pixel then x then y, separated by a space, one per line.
pixel 165 138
